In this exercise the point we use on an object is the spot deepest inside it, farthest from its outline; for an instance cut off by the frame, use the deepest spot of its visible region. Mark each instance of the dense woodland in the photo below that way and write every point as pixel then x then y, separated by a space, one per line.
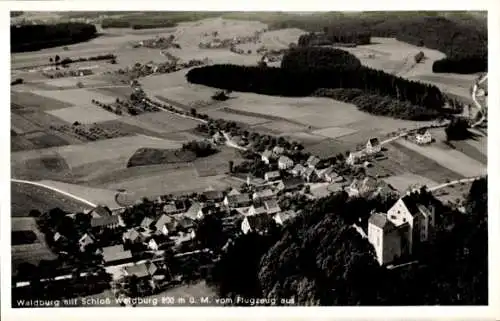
pixel 463 40
pixel 40 36
pixel 306 70
pixel 321 260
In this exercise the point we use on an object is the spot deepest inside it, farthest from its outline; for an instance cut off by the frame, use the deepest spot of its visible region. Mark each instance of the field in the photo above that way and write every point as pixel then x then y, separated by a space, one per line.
pixel 30 252
pixel 84 114
pixel 150 156
pixel 25 197
pixel 402 182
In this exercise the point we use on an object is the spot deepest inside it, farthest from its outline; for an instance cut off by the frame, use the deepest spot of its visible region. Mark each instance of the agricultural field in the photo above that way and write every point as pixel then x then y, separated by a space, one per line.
pixel 84 114
pixel 30 252
pixel 218 163
pixel 25 197
pixel 403 181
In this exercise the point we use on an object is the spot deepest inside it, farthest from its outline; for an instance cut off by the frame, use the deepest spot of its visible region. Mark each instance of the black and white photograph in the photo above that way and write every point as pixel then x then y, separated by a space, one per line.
pixel 248 159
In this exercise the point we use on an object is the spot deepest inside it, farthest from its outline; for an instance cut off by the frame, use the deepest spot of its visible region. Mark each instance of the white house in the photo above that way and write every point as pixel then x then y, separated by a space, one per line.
pixel 256 210
pixel 263 195
pixel 272 206
pixel 278 150
pixel 298 170
pixel 386 238
pixel 256 223
pixel 423 137
pixel 285 163
pixel 237 201
pixel 281 217
pixel 84 241
pixel 272 176
pixel 373 146
pixel 355 158
pixel 312 161
pixel 267 156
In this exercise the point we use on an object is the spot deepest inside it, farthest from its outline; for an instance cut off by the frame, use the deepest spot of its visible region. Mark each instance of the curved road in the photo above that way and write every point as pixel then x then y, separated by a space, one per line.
pixel 478 105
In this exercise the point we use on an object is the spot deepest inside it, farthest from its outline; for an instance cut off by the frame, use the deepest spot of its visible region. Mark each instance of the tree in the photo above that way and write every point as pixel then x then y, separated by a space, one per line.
pixel 57 59
pixel 209 232
pixel 457 129
pixel 231 165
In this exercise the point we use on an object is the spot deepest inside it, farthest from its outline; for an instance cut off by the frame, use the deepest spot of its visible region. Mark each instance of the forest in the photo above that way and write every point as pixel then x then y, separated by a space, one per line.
pixel 320 259
pixel 36 37
pixel 463 40
pixel 306 70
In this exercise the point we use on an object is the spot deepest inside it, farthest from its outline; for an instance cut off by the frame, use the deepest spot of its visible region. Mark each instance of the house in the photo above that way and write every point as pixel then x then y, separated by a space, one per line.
pixel 256 223
pixel 298 170
pixel 373 146
pixel 155 243
pixel 278 150
pixel 213 196
pixel 183 237
pixel 236 201
pixel 281 217
pixel 194 211
pixel 423 137
pixel 312 161
pixel 234 191
pixel 100 211
pixel 58 237
pixel 84 241
pixel 146 222
pixel 218 138
pixel 361 187
pixel 176 207
pixel 165 224
pixel 256 210
pixel 407 224
pixel 272 206
pixel 386 238
pixel 141 270
pixel 356 158
pixel 285 163
pixel 329 175
pixel 132 236
pixel 309 174
pixel 267 156
pixel 105 222
pixel 263 195
pixel 272 176
pixel 113 255
pixel 290 184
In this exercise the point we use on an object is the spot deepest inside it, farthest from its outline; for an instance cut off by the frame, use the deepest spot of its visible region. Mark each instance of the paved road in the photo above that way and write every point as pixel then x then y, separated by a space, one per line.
pixel 458 181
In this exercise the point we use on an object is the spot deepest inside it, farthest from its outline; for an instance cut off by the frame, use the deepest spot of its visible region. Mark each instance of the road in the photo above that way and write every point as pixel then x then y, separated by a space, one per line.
pixel 478 105
pixel 55 190
pixel 458 181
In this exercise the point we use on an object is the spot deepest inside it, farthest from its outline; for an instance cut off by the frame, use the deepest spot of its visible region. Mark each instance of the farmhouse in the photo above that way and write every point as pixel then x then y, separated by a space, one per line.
pixel 309 174
pixel 132 236
pixel 85 240
pixel 290 184
pixel 272 206
pixel 213 196
pixel 194 211
pixel 256 210
pixel 356 158
pixel 105 222
pixel 100 211
pixel 113 255
pixel 165 225
pixel 329 175
pixel 278 151
pixel 423 137
pixel 373 146
pixel 147 222
pixel 256 223
pixel 298 170
pixel 237 201
pixel 272 176
pixel 263 195
pixel 285 163
pixel 267 156
pixel 361 187
pixel 312 161
pixel 281 217
pixel 407 224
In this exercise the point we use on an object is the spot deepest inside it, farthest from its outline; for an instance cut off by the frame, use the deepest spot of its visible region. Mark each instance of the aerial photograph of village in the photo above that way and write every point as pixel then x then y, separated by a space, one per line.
pixel 176 158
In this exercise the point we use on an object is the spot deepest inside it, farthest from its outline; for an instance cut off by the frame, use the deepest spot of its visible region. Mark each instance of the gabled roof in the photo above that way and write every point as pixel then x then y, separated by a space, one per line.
pixel 272 174
pixel 115 253
pixel 213 195
pixel 257 210
pixel 141 270
pixel 308 171
pixel 165 220
pixel 374 141
pixel 313 160
pixel 238 199
pixel 193 210
pixel 278 150
pixel 104 221
pixel 169 208
pixel 285 216
pixel 87 237
pixel 285 159
pixel 413 206
pixel 259 222
pixel 271 204
pixel 131 235
pixel 264 193
pixel 233 192
pixel 146 222
pixel 101 211
pixel 292 182
pixel 299 168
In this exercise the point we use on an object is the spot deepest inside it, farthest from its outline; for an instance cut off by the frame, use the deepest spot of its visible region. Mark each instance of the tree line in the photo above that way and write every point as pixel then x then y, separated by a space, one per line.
pixel 463 40
pixel 40 36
